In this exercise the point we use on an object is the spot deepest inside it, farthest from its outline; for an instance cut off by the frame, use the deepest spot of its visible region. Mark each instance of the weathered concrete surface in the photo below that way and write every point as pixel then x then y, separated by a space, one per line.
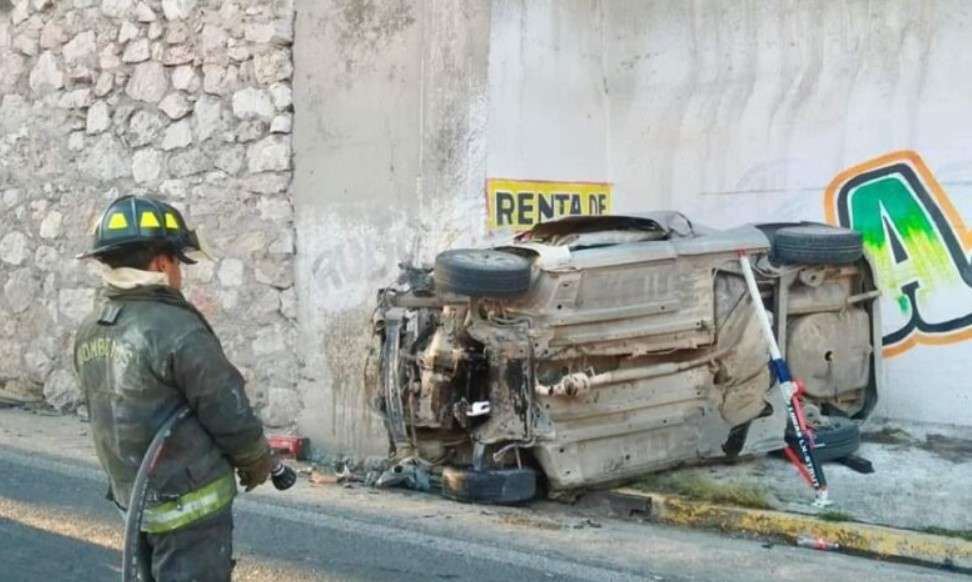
pixel 389 162
pixel 549 111
pixel 103 98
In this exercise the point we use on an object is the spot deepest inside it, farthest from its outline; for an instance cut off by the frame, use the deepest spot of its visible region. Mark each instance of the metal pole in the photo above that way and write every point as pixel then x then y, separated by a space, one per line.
pixel 785 381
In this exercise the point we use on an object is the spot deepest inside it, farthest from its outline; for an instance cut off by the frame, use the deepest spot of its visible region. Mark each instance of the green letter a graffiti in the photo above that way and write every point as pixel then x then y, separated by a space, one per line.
pixel 914 238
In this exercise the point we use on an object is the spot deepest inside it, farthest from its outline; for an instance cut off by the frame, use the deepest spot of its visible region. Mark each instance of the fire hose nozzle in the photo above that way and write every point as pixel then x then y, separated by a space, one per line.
pixel 282 476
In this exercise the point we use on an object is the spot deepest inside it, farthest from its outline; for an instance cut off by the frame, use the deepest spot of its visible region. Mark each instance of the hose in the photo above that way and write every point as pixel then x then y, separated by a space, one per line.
pixel 135 565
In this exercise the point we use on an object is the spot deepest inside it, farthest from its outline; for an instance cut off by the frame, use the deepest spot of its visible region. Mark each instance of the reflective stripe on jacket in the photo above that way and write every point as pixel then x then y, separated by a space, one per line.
pixel 190 507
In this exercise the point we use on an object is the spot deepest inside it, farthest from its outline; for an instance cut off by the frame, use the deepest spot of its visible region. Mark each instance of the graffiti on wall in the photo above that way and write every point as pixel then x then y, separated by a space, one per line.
pixel 919 246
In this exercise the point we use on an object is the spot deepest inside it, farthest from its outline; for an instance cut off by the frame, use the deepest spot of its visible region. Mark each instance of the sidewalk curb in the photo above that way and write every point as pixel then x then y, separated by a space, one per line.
pixel 859 538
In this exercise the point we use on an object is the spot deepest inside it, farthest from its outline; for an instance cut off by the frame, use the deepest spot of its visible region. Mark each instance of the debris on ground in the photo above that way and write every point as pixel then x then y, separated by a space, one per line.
pixel 409 473
pixel 530 521
pixel 816 543
pixel 319 478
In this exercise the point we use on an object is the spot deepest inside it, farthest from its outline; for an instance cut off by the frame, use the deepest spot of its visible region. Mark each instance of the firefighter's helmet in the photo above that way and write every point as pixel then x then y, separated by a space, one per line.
pixel 132 221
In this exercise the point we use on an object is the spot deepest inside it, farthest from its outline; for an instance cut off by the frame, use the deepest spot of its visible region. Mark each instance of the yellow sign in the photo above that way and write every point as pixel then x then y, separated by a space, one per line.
pixel 521 204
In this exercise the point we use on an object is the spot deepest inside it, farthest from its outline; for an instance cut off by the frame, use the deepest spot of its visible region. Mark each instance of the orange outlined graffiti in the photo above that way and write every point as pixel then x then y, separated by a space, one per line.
pixel 918 243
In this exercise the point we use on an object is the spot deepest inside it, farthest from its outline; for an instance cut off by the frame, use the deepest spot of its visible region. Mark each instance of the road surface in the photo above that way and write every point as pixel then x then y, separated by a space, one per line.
pixel 56 525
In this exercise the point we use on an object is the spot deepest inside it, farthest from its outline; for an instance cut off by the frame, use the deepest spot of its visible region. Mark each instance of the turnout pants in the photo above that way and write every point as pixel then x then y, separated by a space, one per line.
pixel 199 552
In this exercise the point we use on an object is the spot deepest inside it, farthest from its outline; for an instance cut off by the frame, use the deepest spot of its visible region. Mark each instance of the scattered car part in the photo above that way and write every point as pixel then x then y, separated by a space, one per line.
pixel 817 245
pixel 505 486
pixel 482 273
pixel 409 474
pixel 858 464
pixel 804 445
pixel 816 543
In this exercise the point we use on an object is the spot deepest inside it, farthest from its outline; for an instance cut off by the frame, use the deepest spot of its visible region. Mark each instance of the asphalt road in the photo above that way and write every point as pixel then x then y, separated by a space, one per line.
pixel 56 526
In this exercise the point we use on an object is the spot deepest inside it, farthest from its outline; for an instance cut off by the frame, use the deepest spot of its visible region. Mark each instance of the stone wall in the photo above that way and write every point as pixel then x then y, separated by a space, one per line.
pixel 189 100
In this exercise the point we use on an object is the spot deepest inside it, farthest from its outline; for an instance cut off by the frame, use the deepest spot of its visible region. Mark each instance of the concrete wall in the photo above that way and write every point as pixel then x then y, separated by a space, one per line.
pixel 549 113
pixel 739 112
pixel 390 165
pixel 182 99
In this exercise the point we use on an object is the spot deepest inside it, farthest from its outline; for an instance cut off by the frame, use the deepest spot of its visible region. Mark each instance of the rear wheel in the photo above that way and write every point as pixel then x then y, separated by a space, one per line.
pixel 770 229
pixel 817 245
pixel 482 273
pixel 839 438
pixel 493 486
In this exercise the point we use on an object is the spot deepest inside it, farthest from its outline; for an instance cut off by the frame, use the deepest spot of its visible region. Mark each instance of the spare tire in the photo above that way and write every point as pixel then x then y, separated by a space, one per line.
pixel 840 438
pixel 482 273
pixel 817 245
pixel 493 486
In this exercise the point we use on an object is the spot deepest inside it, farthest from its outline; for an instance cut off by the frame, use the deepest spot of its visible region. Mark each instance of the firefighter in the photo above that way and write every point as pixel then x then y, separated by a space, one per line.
pixel 143 353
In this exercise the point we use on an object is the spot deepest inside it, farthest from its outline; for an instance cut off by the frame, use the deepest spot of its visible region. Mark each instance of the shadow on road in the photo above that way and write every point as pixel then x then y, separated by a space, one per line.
pixel 65 559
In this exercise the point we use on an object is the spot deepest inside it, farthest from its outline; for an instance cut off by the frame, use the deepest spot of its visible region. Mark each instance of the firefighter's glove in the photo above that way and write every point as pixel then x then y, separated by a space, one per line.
pixel 256 472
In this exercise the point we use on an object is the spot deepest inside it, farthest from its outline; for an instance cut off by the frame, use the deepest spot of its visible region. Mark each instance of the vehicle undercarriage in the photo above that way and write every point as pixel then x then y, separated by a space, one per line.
pixel 591 351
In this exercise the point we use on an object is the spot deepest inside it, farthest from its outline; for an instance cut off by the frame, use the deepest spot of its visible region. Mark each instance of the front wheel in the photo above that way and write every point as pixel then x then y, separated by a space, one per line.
pixel 494 486
pixel 482 273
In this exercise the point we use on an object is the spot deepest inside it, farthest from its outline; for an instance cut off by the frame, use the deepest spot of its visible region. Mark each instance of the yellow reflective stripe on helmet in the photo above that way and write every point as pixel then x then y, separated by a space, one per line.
pixel 190 507
pixel 117 222
pixel 170 221
pixel 149 220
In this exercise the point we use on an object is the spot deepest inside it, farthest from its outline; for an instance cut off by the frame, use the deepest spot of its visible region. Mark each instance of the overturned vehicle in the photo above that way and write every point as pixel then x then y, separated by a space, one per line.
pixel 592 350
